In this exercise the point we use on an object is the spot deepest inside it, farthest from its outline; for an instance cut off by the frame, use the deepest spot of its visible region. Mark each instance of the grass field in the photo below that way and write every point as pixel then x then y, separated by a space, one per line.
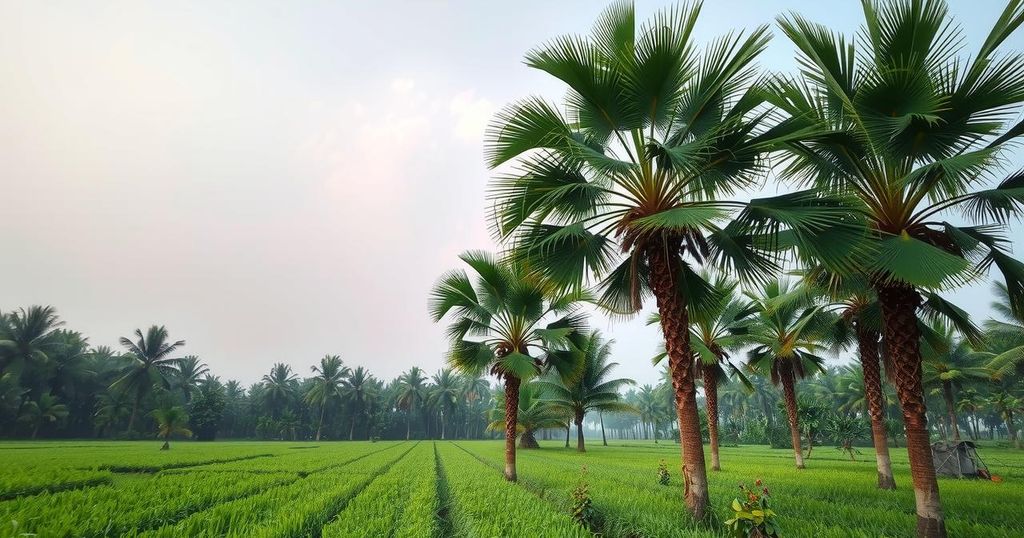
pixel 426 488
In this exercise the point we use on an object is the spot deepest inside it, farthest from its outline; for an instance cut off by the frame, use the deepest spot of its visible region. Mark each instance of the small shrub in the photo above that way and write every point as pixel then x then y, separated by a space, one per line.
pixel 663 476
pixel 752 517
pixel 582 505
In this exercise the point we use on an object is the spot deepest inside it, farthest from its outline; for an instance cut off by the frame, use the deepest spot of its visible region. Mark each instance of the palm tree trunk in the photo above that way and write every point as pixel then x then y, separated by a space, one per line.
pixel 947 394
pixel 903 340
pixel 568 431
pixel 664 267
pixel 580 446
pixel 711 402
pixel 352 428
pixel 442 425
pixel 35 431
pixel 604 440
pixel 511 420
pixel 789 393
pixel 135 410
pixel 867 341
pixel 408 423
pixel 320 425
pixel 1011 429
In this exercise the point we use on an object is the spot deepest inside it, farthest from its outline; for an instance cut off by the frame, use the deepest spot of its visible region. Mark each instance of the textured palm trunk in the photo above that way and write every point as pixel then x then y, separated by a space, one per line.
pixel 711 401
pixel 675 328
pixel 528 440
pixel 867 341
pixel 578 420
pixel 947 395
pixel 604 440
pixel 511 420
pixel 903 340
pixel 568 431
pixel 135 411
pixel 320 425
pixel 792 414
pixel 1011 430
pixel 352 428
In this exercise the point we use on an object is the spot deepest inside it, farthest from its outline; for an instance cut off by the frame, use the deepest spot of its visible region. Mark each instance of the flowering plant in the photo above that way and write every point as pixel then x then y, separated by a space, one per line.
pixel 663 476
pixel 752 517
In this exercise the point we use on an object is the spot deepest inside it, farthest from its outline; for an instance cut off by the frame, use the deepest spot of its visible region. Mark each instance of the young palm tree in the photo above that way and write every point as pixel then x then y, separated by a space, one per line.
pixel 651 408
pixel 948 367
pixel 626 185
pixel 787 331
pixel 355 392
pixel 190 371
pixel 912 129
pixel 170 421
pixel 46 410
pixel 151 365
pixel 278 387
pixel 412 392
pixel 508 322
pixel 592 390
pixel 327 384
pixel 444 395
pixel 533 413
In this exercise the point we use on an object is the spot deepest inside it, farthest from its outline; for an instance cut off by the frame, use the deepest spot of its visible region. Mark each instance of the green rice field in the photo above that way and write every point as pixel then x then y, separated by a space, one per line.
pixel 455 488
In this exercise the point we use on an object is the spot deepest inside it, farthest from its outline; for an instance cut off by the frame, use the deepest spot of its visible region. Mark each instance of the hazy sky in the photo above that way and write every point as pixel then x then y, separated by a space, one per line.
pixel 275 181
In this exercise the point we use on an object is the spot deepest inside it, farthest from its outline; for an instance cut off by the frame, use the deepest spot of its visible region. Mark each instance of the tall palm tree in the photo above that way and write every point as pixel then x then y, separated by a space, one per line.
pixel 949 367
pixel 170 421
pixel 592 390
pixel 151 365
pixel 444 395
pixel 511 323
pixel 625 186
pixel 327 384
pixel 786 332
pixel 534 413
pixel 912 128
pixel 190 371
pixel 650 407
pixel 355 392
pixel 25 337
pixel 412 393
pixel 476 392
pixel 47 409
pixel 279 386
pixel 1006 404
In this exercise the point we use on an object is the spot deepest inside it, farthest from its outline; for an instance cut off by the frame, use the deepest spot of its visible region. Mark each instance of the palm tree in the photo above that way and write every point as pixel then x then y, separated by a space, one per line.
pixel 327 384
pixel 190 371
pixel 25 337
pixel 910 128
pixel 534 413
pixel 1005 336
pixel 111 409
pixel 786 332
pixel 948 367
pixel 47 409
pixel 444 395
pixel 151 365
pixel 510 323
pixel 1006 404
pixel 592 390
pixel 355 392
pixel 650 407
pixel 475 392
pixel 170 421
pixel 412 392
pixel 278 387
pixel 625 185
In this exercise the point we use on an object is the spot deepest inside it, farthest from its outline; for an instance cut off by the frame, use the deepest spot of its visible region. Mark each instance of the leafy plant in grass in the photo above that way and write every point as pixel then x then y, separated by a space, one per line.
pixel 512 323
pixel 752 513
pixel 845 429
pixel 663 475
pixel 582 505
pixel 171 421
pixel 625 187
pixel 913 129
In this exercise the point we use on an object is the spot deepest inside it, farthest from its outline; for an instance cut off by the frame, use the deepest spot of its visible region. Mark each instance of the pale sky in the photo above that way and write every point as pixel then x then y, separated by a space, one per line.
pixel 276 181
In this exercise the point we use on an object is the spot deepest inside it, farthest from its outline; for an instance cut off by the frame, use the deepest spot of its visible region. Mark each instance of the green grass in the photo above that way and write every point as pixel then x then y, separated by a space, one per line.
pixel 456 489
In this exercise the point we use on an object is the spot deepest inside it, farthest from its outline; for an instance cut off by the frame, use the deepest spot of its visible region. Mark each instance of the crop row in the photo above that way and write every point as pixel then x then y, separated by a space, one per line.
pixel 130 458
pixel 17 482
pixel 402 502
pixel 298 461
pixel 299 508
pixel 484 504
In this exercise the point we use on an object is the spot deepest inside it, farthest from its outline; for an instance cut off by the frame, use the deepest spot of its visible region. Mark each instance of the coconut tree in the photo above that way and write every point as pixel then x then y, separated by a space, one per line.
pixel 592 390
pixel 475 392
pixel 626 185
pixel 170 421
pixel 25 337
pixel 326 385
pixel 412 393
pixel 444 395
pixel 787 331
pixel 1005 336
pixel 112 407
pixel 151 365
pixel 278 387
pixel 912 128
pixel 46 410
pixel 190 372
pixel 510 322
pixel 949 367
pixel 534 413
pixel 1006 404
pixel 355 392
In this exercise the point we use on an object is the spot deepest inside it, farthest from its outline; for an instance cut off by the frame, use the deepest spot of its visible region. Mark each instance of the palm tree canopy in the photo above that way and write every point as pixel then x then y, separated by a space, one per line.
pixel 913 129
pixel 412 388
pixel 331 376
pixel 25 336
pixel 535 412
pixel 508 321
pixel 593 389
pixel 1005 336
pixel 788 328
pixel 151 361
pixel 171 421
